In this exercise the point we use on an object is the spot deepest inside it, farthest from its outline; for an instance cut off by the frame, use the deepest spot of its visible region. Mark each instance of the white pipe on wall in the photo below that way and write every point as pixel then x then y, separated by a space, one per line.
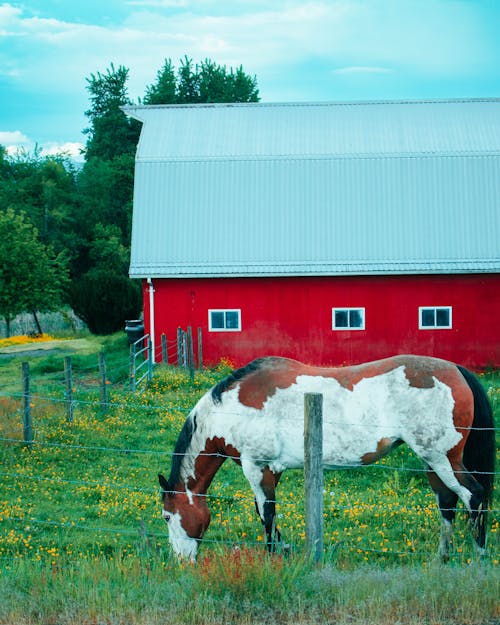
pixel 152 316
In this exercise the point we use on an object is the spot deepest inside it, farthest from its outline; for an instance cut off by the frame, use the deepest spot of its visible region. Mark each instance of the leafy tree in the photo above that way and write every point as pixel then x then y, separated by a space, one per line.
pixel 32 277
pixel 44 189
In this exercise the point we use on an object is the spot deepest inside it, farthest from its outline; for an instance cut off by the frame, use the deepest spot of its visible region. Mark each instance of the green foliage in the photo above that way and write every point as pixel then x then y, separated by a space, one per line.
pixel 32 277
pixel 206 82
pixel 111 132
pixel 44 189
pixel 104 299
pixel 79 221
pixel 164 91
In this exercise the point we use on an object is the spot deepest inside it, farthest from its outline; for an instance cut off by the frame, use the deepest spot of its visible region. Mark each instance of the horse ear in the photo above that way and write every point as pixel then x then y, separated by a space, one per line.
pixel 163 483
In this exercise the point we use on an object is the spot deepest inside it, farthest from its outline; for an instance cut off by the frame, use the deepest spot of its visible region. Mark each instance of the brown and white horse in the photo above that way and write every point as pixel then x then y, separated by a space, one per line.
pixel 256 417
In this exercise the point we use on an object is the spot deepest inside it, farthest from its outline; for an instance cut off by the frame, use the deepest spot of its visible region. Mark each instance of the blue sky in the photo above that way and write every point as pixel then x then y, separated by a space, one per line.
pixel 318 50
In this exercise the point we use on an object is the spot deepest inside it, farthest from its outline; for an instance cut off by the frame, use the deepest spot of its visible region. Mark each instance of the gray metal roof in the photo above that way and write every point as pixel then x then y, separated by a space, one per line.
pixel 324 189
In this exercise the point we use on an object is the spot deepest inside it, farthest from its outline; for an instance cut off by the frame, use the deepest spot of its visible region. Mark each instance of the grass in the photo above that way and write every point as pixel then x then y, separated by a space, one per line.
pixel 81 539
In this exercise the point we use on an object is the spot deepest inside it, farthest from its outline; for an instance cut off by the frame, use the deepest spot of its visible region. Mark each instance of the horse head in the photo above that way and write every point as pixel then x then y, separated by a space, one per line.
pixel 187 516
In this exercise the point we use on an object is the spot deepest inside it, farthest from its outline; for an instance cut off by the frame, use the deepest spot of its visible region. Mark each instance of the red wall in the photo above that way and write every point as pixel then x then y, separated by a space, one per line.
pixel 293 317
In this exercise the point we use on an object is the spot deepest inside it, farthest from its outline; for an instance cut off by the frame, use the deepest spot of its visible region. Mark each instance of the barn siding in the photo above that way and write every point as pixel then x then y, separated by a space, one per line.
pixel 292 317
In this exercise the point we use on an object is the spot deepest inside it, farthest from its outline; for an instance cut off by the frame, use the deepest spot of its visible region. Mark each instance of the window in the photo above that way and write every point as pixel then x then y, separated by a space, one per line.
pixel 224 320
pixel 348 318
pixel 432 317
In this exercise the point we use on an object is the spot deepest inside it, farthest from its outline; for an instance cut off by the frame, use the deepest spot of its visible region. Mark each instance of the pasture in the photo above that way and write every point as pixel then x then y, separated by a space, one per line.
pixel 82 540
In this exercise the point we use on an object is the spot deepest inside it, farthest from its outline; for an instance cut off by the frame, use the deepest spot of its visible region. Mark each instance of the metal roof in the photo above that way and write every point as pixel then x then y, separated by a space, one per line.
pixel 323 189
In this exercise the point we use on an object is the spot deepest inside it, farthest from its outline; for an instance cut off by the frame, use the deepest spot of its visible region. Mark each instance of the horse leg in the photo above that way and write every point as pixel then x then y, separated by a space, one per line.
pixel 263 483
pixel 455 477
pixel 268 484
pixel 447 503
pixel 478 509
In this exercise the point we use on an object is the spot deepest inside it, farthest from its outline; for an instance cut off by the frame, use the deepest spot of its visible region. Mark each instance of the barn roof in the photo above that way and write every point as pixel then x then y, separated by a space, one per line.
pixel 323 189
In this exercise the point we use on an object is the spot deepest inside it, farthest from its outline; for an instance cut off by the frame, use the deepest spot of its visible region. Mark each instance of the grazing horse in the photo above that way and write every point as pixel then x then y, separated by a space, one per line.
pixel 256 417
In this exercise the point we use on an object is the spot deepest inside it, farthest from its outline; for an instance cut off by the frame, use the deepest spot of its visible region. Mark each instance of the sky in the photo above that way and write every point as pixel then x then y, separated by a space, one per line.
pixel 300 51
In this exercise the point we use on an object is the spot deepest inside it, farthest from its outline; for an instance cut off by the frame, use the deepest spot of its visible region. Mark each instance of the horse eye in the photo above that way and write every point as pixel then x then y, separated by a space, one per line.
pixel 166 517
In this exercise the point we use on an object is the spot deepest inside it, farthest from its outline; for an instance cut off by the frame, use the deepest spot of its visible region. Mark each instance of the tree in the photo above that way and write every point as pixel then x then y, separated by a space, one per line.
pixel 111 132
pixel 165 88
pixel 206 82
pixel 32 277
pixel 44 189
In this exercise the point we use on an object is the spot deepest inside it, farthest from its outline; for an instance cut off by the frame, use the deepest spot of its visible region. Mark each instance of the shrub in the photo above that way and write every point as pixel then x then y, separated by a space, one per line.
pixel 104 300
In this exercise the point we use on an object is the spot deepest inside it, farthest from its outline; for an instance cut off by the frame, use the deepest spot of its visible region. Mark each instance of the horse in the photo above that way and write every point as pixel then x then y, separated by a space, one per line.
pixel 255 416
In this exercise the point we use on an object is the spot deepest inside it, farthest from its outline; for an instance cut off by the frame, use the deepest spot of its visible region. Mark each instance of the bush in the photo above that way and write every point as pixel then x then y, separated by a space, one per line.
pixel 105 300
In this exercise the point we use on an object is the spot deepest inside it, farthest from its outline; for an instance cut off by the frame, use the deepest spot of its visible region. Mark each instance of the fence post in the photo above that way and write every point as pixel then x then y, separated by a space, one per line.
pixel 313 474
pixel 104 386
pixel 27 421
pixel 190 352
pixel 132 367
pixel 68 374
pixel 200 350
pixel 179 347
pixel 184 350
pixel 164 352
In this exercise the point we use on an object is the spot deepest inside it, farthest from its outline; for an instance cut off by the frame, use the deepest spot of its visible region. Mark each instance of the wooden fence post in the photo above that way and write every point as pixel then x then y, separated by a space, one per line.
pixel 313 474
pixel 190 352
pixel 68 374
pixel 164 352
pixel 27 420
pixel 200 350
pixel 179 347
pixel 104 386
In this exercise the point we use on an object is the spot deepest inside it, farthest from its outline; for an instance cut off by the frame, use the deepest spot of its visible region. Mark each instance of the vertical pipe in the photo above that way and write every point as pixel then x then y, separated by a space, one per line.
pixel 152 315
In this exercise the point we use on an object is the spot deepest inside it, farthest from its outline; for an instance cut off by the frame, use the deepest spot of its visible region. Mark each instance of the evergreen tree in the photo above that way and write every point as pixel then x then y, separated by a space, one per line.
pixel 206 82
pixel 111 132
pixel 164 91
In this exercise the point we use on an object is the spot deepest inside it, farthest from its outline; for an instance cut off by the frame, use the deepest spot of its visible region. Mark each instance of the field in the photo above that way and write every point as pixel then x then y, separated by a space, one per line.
pixel 82 541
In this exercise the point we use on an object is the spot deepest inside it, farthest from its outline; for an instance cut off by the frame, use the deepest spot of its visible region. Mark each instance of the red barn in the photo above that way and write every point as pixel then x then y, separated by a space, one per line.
pixel 330 233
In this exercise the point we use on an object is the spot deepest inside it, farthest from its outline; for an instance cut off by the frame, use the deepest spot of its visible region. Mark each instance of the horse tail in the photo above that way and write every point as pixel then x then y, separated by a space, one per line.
pixel 479 451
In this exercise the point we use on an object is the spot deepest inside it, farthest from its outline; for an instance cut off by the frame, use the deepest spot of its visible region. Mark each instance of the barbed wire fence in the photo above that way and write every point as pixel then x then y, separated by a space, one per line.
pixel 35 440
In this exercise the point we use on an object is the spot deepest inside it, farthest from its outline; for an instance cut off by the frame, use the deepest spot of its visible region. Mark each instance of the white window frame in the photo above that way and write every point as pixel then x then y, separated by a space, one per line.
pixel 224 310
pixel 421 309
pixel 361 309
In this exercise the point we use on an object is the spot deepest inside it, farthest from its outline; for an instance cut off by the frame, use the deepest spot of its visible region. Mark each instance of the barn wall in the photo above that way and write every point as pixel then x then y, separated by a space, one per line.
pixel 293 317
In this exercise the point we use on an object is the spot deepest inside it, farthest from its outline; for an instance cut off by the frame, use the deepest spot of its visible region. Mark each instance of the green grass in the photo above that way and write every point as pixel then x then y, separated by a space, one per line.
pixel 82 541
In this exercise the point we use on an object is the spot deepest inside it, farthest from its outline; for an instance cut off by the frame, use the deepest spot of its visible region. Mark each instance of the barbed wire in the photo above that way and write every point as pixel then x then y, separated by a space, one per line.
pixel 143 533
pixel 180 408
pixel 263 461
pixel 235 497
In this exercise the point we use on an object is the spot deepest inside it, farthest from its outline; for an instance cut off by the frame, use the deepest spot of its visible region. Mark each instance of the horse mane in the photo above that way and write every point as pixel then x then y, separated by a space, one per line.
pixel 181 446
pixel 234 377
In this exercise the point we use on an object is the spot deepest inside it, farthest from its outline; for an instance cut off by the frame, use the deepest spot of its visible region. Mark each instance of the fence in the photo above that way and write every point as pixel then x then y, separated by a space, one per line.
pixel 65 447
pixel 149 494
pixel 179 351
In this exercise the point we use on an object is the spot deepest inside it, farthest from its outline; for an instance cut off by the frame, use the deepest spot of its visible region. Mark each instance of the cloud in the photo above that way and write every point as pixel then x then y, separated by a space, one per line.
pixel 16 142
pixel 298 49
pixel 15 137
